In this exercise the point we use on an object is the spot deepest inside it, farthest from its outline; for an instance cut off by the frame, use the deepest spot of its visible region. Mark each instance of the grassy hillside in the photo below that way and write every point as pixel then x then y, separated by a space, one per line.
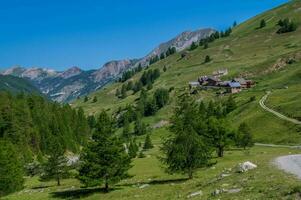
pixel 15 85
pixel 258 54
pixel 266 182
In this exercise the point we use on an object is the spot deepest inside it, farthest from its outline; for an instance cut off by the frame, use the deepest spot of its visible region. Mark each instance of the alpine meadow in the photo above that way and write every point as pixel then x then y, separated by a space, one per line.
pixel 213 113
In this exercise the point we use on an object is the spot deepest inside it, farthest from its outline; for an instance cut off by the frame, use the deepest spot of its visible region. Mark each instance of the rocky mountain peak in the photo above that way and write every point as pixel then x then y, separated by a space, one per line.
pixel 73 71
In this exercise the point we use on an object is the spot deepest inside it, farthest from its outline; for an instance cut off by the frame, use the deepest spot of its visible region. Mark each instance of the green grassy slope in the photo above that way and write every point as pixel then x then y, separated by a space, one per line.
pixel 258 54
pixel 15 85
pixel 265 182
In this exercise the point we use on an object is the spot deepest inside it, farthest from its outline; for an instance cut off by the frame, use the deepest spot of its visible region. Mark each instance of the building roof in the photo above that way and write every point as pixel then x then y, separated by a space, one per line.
pixel 214 79
pixel 240 80
pixel 234 84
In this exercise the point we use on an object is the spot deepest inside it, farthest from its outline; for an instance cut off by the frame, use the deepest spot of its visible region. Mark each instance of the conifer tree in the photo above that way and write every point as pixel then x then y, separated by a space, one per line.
pixel 207 59
pixel 244 136
pixel 123 91
pixel 11 169
pixel 262 23
pixel 185 151
pixel 193 46
pixel 147 142
pixel 94 99
pixel 117 94
pixel 133 148
pixel 140 127
pixel 126 133
pixel 230 104
pixel 56 166
pixel 86 99
pixel 218 135
pixel 104 159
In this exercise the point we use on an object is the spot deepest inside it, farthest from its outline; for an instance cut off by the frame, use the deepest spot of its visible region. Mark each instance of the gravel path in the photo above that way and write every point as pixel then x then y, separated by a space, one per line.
pixel 281 116
pixel 290 164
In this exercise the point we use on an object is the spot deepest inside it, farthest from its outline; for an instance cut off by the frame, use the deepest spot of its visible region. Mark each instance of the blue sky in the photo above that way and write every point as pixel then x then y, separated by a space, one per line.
pixel 87 33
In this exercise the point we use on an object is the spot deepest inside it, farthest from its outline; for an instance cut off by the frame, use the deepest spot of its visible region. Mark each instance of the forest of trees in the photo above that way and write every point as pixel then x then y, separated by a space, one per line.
pixel 31 122
pixel 29 127
pixel 147 79
pixel 286 25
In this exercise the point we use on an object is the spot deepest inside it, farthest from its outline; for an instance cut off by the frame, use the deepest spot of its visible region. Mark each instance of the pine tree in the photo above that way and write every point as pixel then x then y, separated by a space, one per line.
pixel 262 23
pixel 86 99
pixel 123 91
pixel 94 99
pixel 193 46
pixel 244 136
pixel 218 135
pixel 104 160
pixel 207 59
pixel 230 104
pixel 185 151
pixel 234 24
pixel 11 169
pixel 91 121
pixel 147 143
pixel 161 97
pixel 126 133
pixel 162 56
pixel 140 127
pixel 56 165
pixel 133 148
pixel 117 94
pixel 206 45
pixel 164 68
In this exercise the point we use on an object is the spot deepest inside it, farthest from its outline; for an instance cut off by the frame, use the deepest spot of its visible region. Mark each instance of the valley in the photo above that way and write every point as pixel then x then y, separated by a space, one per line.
pixel 151 128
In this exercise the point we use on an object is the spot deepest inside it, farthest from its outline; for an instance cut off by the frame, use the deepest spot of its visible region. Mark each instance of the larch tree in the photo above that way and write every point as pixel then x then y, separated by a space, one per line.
pixel 56 165
pixel 11 169
pixel 185 151
pixel 104 159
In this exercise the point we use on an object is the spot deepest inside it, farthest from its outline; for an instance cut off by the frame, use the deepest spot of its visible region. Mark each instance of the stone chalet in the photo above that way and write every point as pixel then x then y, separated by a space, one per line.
pixel 233 87
pixel 244 83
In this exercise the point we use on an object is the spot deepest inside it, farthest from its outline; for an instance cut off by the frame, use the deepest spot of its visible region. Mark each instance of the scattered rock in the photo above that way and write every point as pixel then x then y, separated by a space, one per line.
pixel 246 166
pixel 198 193
pixel 235 190
pixel 144 186
pixel 225 175
pixel 216 192
pixel 160 124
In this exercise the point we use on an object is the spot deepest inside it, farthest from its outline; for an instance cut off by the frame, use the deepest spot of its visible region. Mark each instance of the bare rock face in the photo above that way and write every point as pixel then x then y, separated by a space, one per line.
pixel 180 42
pixel 73 71
pixel 113 68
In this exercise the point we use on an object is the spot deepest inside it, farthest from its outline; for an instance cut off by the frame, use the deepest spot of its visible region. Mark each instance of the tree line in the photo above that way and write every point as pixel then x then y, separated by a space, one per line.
pixel 147 79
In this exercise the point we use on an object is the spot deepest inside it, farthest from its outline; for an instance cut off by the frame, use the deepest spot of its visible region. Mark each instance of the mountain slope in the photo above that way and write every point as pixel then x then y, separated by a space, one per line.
pixel 70 84
pixel 258 54
pixel 16 85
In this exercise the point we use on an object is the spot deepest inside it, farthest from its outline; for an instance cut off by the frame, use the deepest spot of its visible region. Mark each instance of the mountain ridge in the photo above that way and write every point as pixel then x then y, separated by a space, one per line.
pixel 65 86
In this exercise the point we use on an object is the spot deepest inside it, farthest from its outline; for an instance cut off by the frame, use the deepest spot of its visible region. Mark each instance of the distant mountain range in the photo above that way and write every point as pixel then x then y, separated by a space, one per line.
pixel 67 85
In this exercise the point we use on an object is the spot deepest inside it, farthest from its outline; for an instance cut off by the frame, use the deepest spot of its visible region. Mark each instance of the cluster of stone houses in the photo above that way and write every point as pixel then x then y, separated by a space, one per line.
pixel 232 86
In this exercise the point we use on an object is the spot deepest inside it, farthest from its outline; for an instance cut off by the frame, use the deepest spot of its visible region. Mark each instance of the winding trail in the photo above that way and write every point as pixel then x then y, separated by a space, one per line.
pixel 281 116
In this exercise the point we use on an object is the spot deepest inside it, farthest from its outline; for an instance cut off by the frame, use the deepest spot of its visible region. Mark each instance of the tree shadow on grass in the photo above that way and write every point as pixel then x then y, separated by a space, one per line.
pixel 157 182
pixel 79 193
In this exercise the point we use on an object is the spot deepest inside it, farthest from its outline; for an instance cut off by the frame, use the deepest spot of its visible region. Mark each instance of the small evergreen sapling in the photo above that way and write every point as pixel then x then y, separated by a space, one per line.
pixel 148 143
